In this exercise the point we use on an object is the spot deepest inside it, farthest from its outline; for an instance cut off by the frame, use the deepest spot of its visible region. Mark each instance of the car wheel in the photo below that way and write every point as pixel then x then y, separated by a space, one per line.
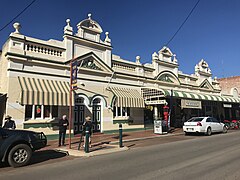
pixel 19 155
pixel 225 129
pixel 209 131
pixel 227 126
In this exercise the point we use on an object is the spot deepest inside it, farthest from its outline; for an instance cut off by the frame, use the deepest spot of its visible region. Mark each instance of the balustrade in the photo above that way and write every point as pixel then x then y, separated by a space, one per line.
pixel 44 50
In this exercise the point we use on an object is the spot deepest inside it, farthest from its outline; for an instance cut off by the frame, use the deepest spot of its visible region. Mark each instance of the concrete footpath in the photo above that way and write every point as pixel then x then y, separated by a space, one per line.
pixel 107 143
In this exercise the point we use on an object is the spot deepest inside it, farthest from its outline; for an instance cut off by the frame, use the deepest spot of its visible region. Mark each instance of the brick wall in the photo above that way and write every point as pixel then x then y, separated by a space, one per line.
pixel 228 83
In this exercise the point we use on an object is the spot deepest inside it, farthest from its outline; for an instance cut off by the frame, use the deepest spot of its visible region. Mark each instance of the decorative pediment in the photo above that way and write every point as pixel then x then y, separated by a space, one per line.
pixel 206 85
pixel 92 62
pixel 90 25
pixel 202 68
pixel 168 77
pixel 165 51
pixel 165 55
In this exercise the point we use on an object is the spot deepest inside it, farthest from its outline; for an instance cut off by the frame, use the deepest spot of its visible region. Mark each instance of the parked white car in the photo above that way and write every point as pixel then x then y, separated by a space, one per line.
pixel 207 125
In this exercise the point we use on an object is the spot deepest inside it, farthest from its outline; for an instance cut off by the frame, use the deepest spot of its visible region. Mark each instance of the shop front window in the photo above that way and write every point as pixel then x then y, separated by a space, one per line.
pixel 28 111
pixel 46 111
pixel 121 111
pixel 40 112
pixel 54 111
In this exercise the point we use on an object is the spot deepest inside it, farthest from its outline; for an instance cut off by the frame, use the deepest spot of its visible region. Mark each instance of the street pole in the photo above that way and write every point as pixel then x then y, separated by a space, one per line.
pixel 170 110
pixel 70 107
pixel 120 136
pixel 86 145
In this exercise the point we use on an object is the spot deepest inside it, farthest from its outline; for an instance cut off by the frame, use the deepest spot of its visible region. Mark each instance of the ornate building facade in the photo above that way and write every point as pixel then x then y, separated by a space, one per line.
pixel 34 83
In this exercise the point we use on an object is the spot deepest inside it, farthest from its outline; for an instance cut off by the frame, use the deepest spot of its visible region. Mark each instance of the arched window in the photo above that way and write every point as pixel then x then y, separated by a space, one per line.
pixel 97 101
pixel 79 100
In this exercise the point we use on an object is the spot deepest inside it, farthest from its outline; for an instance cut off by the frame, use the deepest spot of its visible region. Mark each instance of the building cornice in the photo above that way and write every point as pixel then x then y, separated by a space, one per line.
pixel 88 41
pixel 14 55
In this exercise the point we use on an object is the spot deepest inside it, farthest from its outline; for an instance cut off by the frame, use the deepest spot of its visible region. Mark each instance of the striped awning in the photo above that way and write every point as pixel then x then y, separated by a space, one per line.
pixel 207 97
pixel 43 92
pixel 126 97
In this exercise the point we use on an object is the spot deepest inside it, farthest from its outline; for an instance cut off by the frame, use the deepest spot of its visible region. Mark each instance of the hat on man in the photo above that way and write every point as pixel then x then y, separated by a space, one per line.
pixel 8 117
pixel 88 118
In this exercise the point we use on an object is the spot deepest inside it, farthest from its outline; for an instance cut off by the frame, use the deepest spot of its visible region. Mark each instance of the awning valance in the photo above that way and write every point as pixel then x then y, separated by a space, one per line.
pixel 43 92
pixel 207 97
pixel 127 97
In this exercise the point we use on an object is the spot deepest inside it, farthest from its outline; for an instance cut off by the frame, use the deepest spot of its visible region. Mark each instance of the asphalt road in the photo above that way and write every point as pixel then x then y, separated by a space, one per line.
pixel 215 157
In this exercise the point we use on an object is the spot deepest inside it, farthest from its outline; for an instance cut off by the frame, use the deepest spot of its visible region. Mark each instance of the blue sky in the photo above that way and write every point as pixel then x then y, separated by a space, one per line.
pixel 141 27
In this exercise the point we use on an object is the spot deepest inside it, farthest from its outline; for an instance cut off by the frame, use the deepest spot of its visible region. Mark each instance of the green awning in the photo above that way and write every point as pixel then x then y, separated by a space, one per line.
pixel 206 97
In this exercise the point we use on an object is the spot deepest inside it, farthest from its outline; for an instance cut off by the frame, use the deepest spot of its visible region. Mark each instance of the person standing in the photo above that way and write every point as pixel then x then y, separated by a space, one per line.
pixel 9 124
pixel 87 123
pixel 63 124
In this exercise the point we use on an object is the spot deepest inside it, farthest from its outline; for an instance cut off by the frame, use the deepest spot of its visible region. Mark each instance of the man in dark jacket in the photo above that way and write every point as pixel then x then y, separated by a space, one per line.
pixel 9 124
pixel 87 123
pixel 63 124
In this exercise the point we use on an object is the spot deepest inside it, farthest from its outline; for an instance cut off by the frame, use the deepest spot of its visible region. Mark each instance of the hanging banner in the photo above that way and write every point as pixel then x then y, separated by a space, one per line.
pixel 74 74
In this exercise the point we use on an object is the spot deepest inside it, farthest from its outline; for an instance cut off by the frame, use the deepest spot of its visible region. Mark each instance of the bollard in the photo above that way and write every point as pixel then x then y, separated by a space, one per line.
pixel 120 136
pixel 86 148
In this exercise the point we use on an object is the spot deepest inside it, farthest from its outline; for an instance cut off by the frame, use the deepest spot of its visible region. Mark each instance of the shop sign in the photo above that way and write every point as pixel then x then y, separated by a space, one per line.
pixel 227 105
pixel 191 104
pixel 155 102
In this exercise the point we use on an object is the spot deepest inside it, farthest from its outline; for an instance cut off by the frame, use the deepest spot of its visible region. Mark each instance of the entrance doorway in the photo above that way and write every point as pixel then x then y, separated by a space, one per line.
pixel 96 110
pixel 79 114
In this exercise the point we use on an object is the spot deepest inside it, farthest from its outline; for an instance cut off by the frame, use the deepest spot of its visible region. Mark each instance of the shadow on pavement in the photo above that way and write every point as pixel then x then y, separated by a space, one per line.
pixel 45 155
pixel 3 165
pixel 131 145
pixel 40 156
pixel 117 137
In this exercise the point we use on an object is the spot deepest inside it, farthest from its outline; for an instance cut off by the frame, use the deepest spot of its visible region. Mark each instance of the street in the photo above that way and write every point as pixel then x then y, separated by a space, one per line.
pixel 192 157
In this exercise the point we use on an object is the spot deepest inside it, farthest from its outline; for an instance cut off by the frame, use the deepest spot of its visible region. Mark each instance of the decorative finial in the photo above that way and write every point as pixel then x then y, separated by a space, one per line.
pixel 174 58
pixel 138 59
pixel 68 22
pixel 89 16
pixel 154 56
pixel 17 26
pixel 107 39
pixel 68 29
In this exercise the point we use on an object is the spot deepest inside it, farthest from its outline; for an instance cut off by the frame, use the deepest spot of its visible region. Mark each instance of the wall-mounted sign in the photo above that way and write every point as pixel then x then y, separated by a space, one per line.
pixel 149 102
pixel 190 104
pixel 227 105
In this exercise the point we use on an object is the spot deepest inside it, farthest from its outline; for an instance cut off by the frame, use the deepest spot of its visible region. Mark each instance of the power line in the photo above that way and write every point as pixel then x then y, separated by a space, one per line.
pixel 183 22
pixel 17 15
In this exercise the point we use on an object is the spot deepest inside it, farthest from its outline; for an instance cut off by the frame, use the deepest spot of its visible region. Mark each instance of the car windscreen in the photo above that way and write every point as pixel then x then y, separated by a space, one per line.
pixel 195 119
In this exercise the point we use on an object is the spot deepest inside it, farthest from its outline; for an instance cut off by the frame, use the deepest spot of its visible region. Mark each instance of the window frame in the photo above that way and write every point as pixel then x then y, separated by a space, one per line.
pixel 42 113
pixel 121 112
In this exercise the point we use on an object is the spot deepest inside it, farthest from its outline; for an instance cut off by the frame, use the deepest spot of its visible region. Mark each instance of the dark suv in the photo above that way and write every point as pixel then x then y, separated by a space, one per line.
pixel 16 146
